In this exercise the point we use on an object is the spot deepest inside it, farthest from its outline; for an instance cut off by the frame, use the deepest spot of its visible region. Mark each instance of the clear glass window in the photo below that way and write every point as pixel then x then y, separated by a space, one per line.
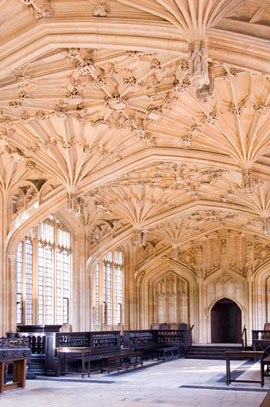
pixel 43 287
pixel 109 271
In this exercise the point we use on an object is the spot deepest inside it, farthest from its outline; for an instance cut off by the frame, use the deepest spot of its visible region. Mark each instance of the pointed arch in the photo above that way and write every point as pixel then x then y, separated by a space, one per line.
pixel 223 283
pixel 145 284
pixel 41 273
pixel 261 287
pixel 226 324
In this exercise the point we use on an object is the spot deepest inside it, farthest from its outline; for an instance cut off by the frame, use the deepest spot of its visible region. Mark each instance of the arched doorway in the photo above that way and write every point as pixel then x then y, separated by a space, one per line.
pixel 225 322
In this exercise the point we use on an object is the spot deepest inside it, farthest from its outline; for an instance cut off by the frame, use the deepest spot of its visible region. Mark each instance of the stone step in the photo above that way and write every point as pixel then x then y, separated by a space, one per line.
pixel 210 352
pixel 206 356
pixel 203 354
pixel 213 350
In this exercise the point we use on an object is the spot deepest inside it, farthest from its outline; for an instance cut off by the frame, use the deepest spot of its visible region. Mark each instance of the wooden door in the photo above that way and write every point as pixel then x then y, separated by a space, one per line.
pixel 225 322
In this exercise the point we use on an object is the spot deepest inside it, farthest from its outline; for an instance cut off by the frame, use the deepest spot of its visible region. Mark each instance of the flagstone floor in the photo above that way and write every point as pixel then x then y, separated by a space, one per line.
pixel 181 383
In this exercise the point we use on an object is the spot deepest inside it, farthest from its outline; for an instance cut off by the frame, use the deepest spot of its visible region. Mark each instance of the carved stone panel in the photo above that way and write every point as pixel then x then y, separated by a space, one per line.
pixel 170 303
pixel 226 285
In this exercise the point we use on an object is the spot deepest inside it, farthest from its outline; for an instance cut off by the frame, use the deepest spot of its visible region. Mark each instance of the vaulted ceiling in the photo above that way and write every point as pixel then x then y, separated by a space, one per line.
pixel 109 111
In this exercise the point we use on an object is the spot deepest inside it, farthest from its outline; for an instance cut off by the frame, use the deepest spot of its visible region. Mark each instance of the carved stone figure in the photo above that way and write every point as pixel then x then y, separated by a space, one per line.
pixel 198 65
pixel 247 180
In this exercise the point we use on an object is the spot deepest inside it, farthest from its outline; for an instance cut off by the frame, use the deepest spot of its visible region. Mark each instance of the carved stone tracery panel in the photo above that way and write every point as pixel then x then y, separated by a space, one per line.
pixel 171 294
pixel 225 284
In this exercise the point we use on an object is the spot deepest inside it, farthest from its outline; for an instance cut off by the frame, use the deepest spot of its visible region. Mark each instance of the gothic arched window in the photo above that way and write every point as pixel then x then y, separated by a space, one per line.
pixel 43 275
pixel 108 301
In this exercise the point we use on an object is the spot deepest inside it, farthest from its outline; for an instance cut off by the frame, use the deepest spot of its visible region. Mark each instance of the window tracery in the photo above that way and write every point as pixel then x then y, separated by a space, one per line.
pixel 109 289
pixel 43 271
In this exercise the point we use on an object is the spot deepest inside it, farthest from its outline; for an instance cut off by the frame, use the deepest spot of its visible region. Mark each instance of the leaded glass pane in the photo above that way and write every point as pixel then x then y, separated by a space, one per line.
pixel 51 280
pixel 19 272
pixel 118 292
pixel 28 281
pixel 109 293
pixel 108 257
pixel 97 296
pixel 62 284
pixel 112 287
pixel 104 314
pixel 118 257
pixel 63 238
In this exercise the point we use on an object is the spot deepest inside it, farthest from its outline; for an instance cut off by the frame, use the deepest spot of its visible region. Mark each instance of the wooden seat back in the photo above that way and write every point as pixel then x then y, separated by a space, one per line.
pixel 139 339
pixel 164 326
pixel 98 341
pixel 266 335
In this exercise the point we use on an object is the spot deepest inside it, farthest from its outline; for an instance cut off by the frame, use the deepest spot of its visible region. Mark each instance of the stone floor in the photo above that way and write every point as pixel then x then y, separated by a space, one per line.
pixel 181 383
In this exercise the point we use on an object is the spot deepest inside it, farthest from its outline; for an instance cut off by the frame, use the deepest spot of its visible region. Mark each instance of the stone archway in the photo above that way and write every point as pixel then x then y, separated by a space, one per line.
pixel 226 319
pixel 165 291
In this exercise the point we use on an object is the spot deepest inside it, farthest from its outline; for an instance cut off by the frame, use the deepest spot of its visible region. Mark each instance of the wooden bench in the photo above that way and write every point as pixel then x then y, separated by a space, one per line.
pixel 104 346
pixel 265 362
pixel 143 340
pixel 66 354
pixel 260 344
pixel 266 401
pixel 180 338
pixel 261 338
pixel 123 359
pixel 169 352
pixel 152 340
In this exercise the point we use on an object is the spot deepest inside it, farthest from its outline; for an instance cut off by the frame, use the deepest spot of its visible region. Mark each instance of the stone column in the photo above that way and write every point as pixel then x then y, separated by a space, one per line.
pixel 200 278
pixel 249 317
pixel 130 289
pixel 138 307
pixel 250 311
pixel 200 319
pixel 12 298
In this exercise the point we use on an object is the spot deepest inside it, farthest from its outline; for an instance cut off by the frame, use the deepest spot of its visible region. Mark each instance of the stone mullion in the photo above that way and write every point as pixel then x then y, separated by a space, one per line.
pixel 54 250
pixel 112 289
pixel 267 299
pixel 100 298
pixel 23 283
pixel 7 324
pixel 35 277
pixel 85 288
